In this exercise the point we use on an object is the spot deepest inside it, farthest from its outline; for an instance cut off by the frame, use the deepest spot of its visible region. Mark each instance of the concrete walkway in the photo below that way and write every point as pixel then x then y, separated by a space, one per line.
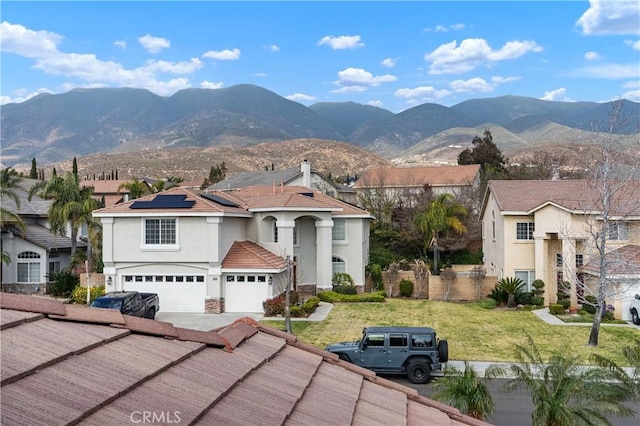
pixel 546 316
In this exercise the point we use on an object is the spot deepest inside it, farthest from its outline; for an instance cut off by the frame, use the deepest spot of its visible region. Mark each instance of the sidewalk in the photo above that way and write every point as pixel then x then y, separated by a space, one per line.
pixel 547 317
pixel 319 314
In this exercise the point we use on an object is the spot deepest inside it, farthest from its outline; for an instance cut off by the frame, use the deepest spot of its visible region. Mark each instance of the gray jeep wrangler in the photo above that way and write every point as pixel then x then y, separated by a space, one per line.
pixel 413 351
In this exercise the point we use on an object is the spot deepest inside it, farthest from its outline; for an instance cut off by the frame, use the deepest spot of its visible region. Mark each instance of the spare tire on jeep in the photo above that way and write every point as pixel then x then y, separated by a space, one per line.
pixel 443 351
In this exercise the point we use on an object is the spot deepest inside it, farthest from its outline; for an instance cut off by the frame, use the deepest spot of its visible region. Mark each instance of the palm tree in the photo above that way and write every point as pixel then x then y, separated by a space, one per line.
pixel 466 391
pixel 564 392
pixel 136 188
pixel 9 180
pixel 511 286
pixel 71 204
pixel 631 380
pixel 442 215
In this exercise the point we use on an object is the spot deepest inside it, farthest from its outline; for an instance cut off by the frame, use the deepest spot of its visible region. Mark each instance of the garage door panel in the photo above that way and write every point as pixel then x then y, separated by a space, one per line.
pixel 245 297
pixel 174 296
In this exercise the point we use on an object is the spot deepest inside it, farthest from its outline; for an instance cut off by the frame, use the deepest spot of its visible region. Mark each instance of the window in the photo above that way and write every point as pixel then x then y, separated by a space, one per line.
pixel 527 277
pixel 338 265
pixel 375 340
pixel 262 278
pixel 579 259
pixel 493 225
pixel 54 267
pixel 421 340
pixel 160 231
pixel 398 340
pixel 28 270
pixel 231 278
pixel 275 232
pixel 338 230
pixel 618 231
pixel 295 234
pixel 559 262
pixel 524 230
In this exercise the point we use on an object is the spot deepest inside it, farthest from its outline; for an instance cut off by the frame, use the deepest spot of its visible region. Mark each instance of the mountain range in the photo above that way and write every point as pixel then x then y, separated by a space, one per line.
pixel 82 122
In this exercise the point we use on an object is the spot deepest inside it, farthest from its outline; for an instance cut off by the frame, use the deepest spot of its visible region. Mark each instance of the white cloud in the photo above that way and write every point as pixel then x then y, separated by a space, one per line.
pixel 183 67
pixel 211 85
pixel 121 44
pixel 301 97
pixel 154 44
pixel 457 27
pixel 635 45
pixel 444 28
pixel 20 96
pixel 273 48
pixel 424 92
pixel 341 42
pixel 556 95
pixel 376 103
pixel 610 17
pixel 592 56
pixel 610 71
pixel 359 80
pixel 223 55
pixel 440 29
pixel 633 92
pixel 261 74
pixel 389 62
pixel 472 85
pixel 451 58
pixel 28 43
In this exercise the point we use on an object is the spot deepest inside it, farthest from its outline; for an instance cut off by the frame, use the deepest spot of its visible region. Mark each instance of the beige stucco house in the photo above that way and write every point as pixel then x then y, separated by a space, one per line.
pixel 544 230
pixel 227 251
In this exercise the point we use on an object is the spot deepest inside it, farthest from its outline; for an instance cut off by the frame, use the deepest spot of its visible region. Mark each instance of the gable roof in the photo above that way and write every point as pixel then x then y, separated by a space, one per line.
pixel 42 237
pixel 526 196
pixel 249 255
pixel 264 177
pixel 621 262
pixel 36 207
pixel 67 364
pixel 406 177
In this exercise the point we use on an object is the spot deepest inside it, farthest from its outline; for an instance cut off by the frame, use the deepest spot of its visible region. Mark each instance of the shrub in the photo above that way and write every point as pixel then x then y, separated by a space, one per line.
pixel 499 295
pixel 556 309
pixel 565 303
pixel 375 272
pixel 381 256
pixel 465 257
pixel 64 282
pixel 79 294
pixel 345 289
pixel 273 307
pixel 537 300
pixel 591 304
pixel 524 298
pixel 538 286
pixel 342 279
pixel 296 312
pixel 333 297
pixel 488 304
pixel 406 287
pixel 310 305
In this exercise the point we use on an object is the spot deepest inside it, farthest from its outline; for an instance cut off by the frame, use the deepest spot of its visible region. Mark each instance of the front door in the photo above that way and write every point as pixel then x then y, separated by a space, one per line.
pixel 375 354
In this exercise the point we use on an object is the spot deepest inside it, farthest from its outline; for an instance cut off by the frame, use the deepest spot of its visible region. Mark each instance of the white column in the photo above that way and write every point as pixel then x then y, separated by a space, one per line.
pixel 542 270
pixel 569 267
pixel 107 239
pixel 324 267
pixel 213 237
pixel 285 236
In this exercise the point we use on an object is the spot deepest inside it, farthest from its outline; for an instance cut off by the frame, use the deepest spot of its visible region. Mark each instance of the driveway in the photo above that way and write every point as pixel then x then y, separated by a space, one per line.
pixel 204 322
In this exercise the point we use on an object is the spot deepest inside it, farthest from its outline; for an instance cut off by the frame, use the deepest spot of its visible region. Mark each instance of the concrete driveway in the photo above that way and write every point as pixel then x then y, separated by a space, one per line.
pixel 204 322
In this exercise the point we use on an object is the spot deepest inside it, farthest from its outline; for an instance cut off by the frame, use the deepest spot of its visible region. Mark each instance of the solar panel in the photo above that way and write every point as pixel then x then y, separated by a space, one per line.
pixel 162 201
pixel 219 200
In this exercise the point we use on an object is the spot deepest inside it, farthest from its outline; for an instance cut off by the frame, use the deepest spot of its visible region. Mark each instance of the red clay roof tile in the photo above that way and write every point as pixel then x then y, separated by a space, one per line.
pixel 41 305
pixel 95 315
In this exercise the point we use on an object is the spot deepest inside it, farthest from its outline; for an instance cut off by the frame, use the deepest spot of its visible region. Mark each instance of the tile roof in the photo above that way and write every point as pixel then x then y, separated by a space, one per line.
pixel 42 237
pixel 621 261
pixel 57 370
pixel 106 186
pixel 249 255
pixel 36 207
pixel 575 195
pixel 266 177
pixel 406 177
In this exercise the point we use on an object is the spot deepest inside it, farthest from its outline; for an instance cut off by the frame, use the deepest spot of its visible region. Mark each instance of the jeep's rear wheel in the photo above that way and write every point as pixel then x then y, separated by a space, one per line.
pixel 418 372
pixel 443 351
pixel 635 317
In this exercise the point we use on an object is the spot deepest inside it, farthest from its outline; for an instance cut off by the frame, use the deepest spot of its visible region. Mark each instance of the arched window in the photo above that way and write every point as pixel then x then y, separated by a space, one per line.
pixel 338 265
pixel 28 267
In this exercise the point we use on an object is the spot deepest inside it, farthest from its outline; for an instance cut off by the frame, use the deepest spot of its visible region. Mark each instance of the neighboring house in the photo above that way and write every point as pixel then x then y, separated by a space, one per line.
pixel 397 182
pixel 37 253
pixel 226 251
pixel 535 229
pixel 303 176
pixel 68 364
pixel 109 190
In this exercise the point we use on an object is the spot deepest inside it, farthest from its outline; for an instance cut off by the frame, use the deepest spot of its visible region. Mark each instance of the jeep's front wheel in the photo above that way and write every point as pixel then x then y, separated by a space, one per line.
pixel 344 357
pixel 635 318
pixel 418 372
pixel 443 351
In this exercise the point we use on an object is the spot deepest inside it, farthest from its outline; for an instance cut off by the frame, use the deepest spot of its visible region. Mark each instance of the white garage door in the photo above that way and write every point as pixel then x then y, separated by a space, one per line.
pixel 174 296
pixel 245 293
pixel 627 297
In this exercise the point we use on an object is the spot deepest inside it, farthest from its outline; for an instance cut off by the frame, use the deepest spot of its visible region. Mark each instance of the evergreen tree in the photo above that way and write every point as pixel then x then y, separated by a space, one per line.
pixel 54 173
pixel 33 174
pixel 75 168
pixel 485 153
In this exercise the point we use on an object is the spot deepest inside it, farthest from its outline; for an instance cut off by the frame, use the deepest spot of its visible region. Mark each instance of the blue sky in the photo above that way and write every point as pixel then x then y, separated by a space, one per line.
pixel 394 55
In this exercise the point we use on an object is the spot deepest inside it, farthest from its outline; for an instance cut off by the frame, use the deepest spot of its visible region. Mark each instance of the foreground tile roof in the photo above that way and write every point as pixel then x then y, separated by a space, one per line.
pixel 573 195
pixel 64 364
pixel 406 177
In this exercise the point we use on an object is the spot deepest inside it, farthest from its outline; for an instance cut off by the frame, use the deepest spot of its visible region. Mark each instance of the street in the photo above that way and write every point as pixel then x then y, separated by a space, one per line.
pixel 512 408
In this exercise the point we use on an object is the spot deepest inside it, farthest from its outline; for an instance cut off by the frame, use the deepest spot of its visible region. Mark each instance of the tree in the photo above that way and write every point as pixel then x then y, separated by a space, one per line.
pixel 564 392
pixel 477 275
pixel 391 274
pixel 631 379
pixel 136 188
pixel 441 215
pixel 484 152
pixel 420 273
pixel 71 204
pixel 75 168
pixel 466 391
pixel 511 286
pixel 9 180
pixel 448 277
pixel 33 173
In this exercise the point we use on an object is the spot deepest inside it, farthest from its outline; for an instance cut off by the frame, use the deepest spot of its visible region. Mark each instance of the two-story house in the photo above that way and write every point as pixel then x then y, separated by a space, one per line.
pixel 230 251
pixel 535 229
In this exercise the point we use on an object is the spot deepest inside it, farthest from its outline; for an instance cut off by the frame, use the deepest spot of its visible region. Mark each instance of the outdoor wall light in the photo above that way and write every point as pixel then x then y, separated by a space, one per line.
pixel 270 279
pixel 109 281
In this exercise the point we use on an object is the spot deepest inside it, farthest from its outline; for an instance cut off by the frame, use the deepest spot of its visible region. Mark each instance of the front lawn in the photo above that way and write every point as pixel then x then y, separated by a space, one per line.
pixel 473 333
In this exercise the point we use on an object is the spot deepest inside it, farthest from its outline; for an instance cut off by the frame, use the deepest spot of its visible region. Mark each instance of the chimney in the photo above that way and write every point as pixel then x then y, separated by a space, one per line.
pixel 305 168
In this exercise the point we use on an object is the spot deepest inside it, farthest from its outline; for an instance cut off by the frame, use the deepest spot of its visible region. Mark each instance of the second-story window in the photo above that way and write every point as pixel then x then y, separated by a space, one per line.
pixel 161 231
pixel 524 230
pixel 618 231
pixel 338 231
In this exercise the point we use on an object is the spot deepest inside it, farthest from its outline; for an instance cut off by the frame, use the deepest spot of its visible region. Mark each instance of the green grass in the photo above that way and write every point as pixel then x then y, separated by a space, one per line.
pixel 474 334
